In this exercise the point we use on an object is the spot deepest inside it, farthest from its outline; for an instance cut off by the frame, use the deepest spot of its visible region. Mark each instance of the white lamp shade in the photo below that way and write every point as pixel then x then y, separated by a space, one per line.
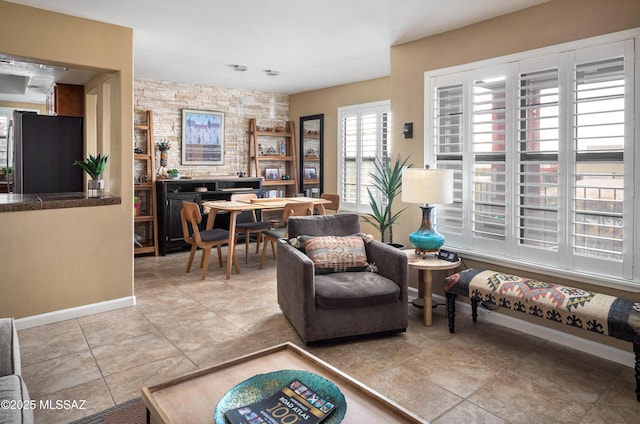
pixel 430 186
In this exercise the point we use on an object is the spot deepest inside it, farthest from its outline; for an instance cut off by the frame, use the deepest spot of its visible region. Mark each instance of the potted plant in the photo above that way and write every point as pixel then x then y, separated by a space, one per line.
pixel 388 180
pixel 94 166
pixel 173 173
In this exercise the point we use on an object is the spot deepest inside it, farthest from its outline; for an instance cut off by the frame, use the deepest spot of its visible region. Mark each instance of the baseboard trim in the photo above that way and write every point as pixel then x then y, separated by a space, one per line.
pixel 76 312
pixel 610 353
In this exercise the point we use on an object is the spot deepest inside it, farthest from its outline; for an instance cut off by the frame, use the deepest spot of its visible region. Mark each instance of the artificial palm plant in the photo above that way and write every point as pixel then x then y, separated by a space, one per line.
pixel 94 165
pixel 388 181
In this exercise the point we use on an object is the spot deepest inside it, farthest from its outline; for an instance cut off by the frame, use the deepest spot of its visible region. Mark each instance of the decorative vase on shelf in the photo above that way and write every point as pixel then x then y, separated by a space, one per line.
pixel 164 147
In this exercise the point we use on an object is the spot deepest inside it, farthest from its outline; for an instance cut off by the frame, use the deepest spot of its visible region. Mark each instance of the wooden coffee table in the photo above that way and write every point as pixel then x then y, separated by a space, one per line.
pixel 193 398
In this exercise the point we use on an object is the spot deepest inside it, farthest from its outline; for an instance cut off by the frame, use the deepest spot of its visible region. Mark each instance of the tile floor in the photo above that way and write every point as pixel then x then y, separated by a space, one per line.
pixel 481 374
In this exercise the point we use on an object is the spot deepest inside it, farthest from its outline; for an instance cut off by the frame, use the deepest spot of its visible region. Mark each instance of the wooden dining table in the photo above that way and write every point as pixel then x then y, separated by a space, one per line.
pixel 234 208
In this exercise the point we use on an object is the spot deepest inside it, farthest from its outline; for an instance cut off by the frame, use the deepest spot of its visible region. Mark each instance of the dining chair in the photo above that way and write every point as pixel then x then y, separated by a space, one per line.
pixel 334 199
pixel 205 240
pixel 247 224
pixel 272 236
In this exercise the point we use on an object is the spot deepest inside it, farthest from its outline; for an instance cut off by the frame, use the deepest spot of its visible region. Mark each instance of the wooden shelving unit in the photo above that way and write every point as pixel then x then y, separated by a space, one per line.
pixel 146 217
pixel 272 149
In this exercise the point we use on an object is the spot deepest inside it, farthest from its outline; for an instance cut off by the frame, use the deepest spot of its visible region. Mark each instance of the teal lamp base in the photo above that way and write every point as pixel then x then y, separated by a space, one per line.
pixel 426 238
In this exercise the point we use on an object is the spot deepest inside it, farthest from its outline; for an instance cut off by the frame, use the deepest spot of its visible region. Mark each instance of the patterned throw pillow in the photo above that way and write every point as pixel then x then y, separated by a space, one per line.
pixel 337 254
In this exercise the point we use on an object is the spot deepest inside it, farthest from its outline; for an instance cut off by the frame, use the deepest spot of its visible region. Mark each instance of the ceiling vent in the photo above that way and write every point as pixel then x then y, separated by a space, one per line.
pixel 14 84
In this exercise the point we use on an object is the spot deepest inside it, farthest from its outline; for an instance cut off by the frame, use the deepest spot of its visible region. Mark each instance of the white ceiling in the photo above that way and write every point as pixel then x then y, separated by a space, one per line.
pixel 311 43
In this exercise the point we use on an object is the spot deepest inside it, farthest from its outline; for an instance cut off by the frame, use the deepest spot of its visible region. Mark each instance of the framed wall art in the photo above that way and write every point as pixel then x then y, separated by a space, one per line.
pixel 310 174
pixel 202 137
pixel 271 174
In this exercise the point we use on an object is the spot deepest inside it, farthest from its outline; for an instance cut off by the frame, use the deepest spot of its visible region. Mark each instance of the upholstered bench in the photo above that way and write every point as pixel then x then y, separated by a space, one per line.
pixel 600 313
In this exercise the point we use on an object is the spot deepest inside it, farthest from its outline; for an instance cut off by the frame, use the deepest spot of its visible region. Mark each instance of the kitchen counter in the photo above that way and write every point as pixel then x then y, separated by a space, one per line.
pixel 30 202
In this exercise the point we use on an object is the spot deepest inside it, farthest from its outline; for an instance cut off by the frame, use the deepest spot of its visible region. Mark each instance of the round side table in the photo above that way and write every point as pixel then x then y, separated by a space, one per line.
pixel 424 267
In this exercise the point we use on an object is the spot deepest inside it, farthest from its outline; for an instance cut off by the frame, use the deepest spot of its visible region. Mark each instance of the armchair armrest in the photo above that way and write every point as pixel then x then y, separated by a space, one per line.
pixel 295 282
pixel 391 263
pixel 9 348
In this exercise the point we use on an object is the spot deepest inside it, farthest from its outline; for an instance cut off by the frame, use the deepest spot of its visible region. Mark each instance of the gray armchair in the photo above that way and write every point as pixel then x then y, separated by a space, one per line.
pixel 12 387
pixel 342 304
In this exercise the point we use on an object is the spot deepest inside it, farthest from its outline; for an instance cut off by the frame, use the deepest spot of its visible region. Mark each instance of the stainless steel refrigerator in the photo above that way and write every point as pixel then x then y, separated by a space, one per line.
pixel 45 148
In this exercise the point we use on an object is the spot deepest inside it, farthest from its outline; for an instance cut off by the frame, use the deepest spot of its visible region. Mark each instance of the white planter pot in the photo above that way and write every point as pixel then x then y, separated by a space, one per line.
pixel 96 188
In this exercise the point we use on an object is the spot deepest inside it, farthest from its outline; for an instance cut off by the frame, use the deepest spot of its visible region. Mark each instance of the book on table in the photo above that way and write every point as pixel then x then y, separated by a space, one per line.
pixel 294 403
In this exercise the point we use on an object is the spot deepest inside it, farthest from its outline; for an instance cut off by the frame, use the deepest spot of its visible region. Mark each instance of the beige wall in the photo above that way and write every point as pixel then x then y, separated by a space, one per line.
pixel 63 258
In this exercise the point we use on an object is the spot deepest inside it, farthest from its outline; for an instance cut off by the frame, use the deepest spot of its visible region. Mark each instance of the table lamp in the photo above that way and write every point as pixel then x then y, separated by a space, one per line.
pixel 427 187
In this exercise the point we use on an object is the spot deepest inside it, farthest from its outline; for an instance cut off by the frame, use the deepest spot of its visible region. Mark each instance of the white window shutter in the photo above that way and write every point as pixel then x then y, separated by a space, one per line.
pixel 538 133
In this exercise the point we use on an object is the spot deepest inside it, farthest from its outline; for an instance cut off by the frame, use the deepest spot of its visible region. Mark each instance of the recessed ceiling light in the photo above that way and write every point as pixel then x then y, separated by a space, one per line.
pixel 239 68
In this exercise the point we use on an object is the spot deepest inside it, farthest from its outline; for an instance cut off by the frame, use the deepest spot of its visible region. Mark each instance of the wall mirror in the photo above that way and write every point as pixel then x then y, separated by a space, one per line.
pixel 311 154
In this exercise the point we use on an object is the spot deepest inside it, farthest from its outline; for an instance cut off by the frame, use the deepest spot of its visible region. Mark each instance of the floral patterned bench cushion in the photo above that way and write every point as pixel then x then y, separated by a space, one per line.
pixel 600 313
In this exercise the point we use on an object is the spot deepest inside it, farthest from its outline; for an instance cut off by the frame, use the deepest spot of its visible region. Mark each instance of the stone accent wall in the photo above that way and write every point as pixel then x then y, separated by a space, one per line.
pixel 167 99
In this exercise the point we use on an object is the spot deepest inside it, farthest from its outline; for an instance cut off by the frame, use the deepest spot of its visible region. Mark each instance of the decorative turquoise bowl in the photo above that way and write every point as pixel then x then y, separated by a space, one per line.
pixel 262 386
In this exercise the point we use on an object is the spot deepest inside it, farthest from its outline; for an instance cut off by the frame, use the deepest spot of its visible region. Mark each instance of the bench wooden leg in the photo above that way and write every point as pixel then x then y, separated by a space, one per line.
pixel 451 310
pixel 474 309
pixel 636 350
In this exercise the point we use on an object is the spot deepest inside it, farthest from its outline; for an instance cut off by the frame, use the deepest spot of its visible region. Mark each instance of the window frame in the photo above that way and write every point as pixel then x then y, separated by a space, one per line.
pixel 380 108
pixel 510 253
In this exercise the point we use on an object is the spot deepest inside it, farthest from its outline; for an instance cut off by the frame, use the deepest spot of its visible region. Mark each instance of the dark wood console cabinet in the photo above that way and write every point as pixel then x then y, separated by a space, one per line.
pixel 171 193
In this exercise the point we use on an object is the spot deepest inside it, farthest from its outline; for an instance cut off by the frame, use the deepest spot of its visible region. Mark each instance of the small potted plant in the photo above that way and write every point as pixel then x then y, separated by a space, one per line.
pixel 173 173
pixel 94 166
